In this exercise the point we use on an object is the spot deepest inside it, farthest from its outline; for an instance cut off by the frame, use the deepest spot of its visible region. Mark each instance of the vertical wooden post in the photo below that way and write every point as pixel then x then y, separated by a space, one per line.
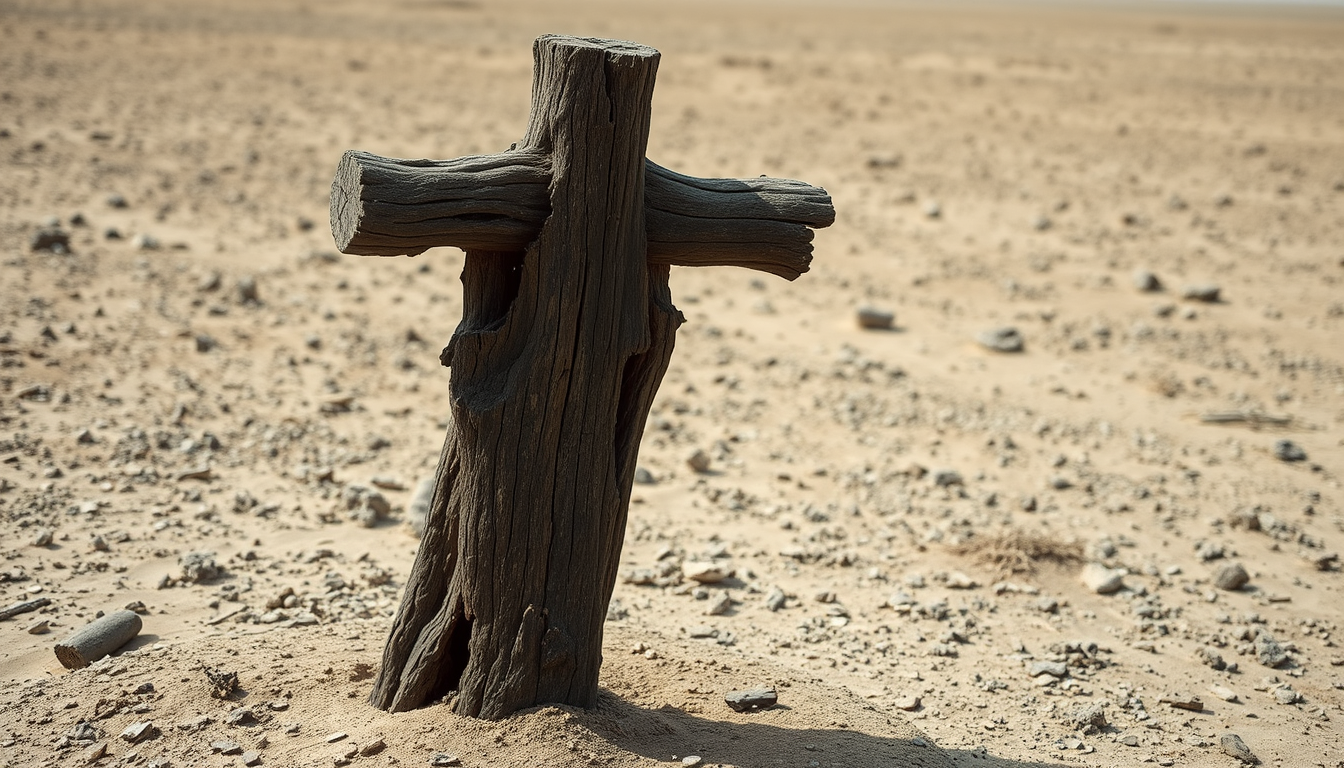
pixel 554 367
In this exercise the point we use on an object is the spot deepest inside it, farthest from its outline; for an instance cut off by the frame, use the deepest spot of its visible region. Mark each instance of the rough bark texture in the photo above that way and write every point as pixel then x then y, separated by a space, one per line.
pixel 554 366
pixel 386 207
pixel 98 639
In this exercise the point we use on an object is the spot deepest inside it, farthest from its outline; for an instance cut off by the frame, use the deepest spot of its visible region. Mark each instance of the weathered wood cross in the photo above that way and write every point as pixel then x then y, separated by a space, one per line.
pixel 567 329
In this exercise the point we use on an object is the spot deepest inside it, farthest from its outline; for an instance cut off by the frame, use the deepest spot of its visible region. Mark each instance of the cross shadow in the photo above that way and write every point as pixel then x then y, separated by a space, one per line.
pixel 659 733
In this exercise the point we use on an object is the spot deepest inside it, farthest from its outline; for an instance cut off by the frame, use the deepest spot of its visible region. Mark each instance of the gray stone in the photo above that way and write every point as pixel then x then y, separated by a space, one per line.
pixel 874 319
pixel 247 290
pixel 1002 339
pixel 698 461
pixel 1234 746
pixel 944 478
pixel 444 760
pixel 775 599
pixel 752 699
pixel 1054 668
pixel 53 239
pixel 1268 650
pixel 226 747
pixel 907 703
pixel 704 573
pixel 1284 694
pixel 1231 577
pixel 1287 450
pixel 644 476
pixel 198 567
pixel 1088 718
pixel 1211 658
pixel 1182 701
pixel 138 732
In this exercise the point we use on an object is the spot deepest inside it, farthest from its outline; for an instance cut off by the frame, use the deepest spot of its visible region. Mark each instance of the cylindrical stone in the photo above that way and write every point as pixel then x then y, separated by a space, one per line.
pixel 98 639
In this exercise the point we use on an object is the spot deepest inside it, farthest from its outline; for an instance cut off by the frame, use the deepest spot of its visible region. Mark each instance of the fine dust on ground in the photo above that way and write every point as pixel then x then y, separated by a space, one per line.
pixel 939 554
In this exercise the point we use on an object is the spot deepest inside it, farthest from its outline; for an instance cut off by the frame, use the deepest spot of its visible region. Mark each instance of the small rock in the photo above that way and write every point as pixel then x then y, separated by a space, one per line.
pixel 39 627
pixel 907 703
pixel 945 478
pixel 1129 740
pixel 691 760
pixel 1234 746
pixel 1210 658
pixel 145 242
pixel 94 753
pixel 372 748
pixel 1053 668
pixel 138 732
pixel 1287 450
pixel 251 758
pixel 247 290
pixel 1002 339
pixel 932 209
pixel 53 239
pixel 224 747
pixel 1285 694
pixel 1147 281
pixel 775 599
pixel 205 342
pixel 1226 694
pixel 1088 719
pixel 644 476
pixel 43 537
pixel 874 319
pixel 720 605
pixel 698 461
pixel 1205 292
pixel 1268 651
pixel 1102 580
pixel 1231 577
pixel 959 580
pixel 704 573
pixel 752 699
pixel 240 716
pixel 198 567
pixel 444 760
pixel 332 738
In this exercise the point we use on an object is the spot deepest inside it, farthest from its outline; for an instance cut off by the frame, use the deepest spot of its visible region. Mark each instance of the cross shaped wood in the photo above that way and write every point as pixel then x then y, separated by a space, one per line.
pixel 567 329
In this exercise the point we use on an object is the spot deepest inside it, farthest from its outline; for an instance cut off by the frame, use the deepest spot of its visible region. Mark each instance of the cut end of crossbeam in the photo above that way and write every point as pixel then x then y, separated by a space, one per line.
pixel 347 209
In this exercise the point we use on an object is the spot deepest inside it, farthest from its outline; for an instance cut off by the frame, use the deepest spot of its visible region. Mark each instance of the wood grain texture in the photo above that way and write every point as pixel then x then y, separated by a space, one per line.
pixel 386 207
pixel 562 345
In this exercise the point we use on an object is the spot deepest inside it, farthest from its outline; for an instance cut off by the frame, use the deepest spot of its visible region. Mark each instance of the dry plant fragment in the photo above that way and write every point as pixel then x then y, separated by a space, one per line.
pixel 222 684
pixel 1016 551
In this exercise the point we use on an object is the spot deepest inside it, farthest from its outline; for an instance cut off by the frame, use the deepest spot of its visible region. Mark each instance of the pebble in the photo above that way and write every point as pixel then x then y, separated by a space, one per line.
pixel 444 760
pixel 94 753
pixel 1147 281
pixel 247 290
pixel 704 573
pixel 1285 694
pixel 1211 658
pixel 1003 339
pixel 1234 746
pixel 907 703
pixel 39 627
pixel 43 537
pixel 644 476
pixel 335 737
pixel 1287 450
pixel 1088 718
pixel 1205 292
pixel 1102 580
pixel 752 699
pixel 874 319
pixel 691 760
pixel 1231 577
pixel 226 747
pixel 698 461
pixel 945 478
pixel 198 567
pixel 775 599
pixel 1226 694
pixel 250 758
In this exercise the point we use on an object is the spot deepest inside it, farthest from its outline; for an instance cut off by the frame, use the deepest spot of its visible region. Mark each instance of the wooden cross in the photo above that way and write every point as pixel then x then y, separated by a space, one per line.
pixel 567 329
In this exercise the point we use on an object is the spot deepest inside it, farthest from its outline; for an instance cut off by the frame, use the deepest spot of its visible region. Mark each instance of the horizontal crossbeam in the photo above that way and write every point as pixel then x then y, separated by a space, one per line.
pixel 387 207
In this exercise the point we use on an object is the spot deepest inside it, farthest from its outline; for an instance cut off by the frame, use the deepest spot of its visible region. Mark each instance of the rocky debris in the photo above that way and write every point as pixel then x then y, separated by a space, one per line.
pixel 1285 694
pixel 1002 339
pixel 1231 577
pixel 1233 745
pixel 1052 668
pixel 752 699
pixel 946 478
pixel 444 760
pixel 698 461
pixel 1205 292
pixel 644 477
pixel 38 627
pixel 1087 718
pixel 222 683
pixel 250 758
pixel 874 319
pixel 775 599
pixel 1102 580
pixel 95 752
pixel 368 749
pixel 1146 281
pixel 418 513
pixel 366 506
pixel 200 567
pixel 1288 451
pixel 42 537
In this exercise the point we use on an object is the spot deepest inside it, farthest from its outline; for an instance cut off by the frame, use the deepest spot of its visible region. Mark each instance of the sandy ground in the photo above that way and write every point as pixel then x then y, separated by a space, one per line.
pixel 926 507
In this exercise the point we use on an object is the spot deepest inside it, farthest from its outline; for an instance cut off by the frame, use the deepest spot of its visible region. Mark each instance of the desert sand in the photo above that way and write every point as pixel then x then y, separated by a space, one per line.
pixel 939 554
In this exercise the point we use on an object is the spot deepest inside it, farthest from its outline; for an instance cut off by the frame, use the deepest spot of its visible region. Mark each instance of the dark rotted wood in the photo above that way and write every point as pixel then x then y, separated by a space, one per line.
pixel 554 367
pixel 386 207
pixel 98 639
pixel 23 606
